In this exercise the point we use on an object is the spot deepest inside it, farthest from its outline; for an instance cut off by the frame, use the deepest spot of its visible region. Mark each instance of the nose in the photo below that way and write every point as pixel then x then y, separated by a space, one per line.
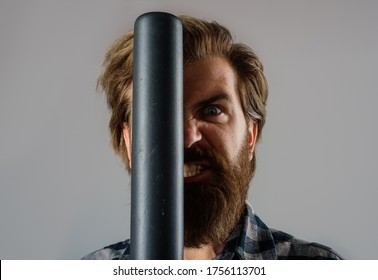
pixel 191 133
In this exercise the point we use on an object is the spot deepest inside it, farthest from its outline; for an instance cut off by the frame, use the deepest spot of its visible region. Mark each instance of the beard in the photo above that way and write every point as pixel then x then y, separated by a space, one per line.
pixel 212 209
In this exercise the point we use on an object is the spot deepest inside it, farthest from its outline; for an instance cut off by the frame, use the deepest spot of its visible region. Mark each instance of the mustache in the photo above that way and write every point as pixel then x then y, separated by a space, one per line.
pixel 213 159
pixel 199 153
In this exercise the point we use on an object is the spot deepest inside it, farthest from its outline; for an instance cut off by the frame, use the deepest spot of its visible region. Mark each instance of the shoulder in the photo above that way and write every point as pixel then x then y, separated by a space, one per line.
pixel 288 247
pixel 117 251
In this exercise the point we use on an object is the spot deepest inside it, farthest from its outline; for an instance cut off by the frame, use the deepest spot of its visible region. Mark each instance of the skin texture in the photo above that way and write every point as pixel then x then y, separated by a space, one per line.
pixel 213 120
pixel 220 123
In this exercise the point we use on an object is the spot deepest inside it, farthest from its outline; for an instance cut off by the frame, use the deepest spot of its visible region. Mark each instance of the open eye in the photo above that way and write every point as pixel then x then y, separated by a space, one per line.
pixel 212 110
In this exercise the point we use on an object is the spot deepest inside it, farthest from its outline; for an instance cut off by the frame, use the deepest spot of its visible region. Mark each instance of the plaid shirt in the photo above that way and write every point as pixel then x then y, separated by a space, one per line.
pixel 251 240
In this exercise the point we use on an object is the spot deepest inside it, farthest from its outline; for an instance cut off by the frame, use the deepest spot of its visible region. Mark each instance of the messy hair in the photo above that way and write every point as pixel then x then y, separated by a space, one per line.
pixel 202 39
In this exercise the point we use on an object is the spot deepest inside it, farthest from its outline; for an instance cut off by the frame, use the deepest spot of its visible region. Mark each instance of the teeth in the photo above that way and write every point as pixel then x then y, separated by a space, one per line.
pixel 192 169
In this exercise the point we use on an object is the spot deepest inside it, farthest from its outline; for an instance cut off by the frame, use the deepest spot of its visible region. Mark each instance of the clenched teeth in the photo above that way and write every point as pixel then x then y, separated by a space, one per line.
pixel 192 169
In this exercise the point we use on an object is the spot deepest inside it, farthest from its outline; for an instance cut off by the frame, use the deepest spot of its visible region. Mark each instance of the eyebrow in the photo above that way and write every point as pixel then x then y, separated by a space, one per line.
pixel 219 96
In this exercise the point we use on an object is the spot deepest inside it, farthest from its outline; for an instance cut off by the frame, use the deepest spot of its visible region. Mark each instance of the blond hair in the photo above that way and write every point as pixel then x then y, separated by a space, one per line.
pixel 202 39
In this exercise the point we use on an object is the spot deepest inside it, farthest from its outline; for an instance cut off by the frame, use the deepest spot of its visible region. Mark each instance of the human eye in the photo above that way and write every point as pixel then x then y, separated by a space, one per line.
pixel 212 110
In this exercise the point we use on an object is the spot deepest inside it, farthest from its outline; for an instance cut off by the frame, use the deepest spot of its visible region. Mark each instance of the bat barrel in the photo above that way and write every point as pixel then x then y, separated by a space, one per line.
pixel 157 139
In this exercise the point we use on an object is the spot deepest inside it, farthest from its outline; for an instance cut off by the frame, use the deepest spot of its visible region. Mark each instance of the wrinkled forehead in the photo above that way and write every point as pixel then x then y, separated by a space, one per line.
pixel 206 78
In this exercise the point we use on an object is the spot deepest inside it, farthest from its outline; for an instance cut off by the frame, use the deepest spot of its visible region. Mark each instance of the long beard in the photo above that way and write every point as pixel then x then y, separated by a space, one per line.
pixel 213 209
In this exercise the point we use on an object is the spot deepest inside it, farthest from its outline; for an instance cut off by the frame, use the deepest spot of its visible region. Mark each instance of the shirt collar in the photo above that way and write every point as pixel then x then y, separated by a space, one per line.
pixel 251 239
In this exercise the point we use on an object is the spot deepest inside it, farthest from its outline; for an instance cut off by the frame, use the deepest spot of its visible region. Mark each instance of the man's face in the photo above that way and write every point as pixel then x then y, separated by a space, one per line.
pixel 218 148
pixel 219 145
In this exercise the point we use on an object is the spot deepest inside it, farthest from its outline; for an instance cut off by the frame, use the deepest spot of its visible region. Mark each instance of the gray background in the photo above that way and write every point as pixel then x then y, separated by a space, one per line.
pixel 63 191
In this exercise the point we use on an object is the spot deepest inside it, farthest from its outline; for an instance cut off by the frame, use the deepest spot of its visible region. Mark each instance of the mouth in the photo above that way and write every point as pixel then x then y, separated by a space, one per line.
pixel 191 170
pixel 194 171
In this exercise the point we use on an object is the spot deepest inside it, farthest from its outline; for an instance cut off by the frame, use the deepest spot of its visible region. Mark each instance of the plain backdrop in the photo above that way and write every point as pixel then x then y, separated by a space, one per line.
pixel 63 192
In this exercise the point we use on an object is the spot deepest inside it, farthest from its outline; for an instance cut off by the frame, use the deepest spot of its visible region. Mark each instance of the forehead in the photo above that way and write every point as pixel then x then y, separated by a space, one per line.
pixel 214 74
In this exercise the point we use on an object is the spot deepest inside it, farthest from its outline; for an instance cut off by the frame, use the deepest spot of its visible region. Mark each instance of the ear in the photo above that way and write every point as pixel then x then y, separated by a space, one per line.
pixel 127 137
pixel 252 136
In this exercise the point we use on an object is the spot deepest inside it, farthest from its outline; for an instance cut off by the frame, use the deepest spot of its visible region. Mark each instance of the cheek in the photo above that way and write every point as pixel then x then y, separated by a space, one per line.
pixel 222 140
pixel 236 139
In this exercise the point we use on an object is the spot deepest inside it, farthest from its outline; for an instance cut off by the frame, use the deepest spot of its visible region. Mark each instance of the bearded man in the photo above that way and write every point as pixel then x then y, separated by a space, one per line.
pixel 225 93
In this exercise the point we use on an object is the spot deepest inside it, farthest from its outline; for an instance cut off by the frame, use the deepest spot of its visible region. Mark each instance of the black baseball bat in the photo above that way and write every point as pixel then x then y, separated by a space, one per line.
pixel 157 226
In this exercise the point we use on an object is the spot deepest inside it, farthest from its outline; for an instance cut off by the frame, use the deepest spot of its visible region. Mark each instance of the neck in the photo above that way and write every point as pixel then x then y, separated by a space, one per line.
pixel 204 252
